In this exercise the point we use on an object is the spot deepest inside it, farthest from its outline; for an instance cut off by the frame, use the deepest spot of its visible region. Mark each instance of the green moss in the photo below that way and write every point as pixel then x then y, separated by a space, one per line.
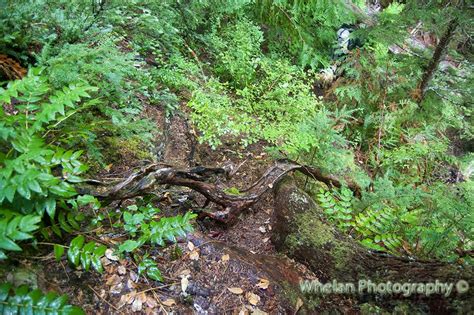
pixel 310 303
pixel 131 148
pixel 290 292
pixel 341 254
pixel 310 231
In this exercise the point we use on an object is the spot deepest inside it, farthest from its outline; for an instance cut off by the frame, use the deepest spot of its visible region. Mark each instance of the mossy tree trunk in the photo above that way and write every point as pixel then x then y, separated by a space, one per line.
pixel 301 231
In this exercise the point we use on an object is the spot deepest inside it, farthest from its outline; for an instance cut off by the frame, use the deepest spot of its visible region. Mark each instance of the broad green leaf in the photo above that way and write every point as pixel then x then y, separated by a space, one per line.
pixel 58 251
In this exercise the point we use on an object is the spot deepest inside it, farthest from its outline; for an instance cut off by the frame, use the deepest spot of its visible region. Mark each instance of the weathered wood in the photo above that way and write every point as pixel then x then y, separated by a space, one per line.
pixel 198 179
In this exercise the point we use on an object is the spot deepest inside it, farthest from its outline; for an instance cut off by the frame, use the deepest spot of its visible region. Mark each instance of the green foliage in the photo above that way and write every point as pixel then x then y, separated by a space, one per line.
pixel 23 301
pixel 149 267
pixel 338 209
pixel 237 65
pixel 374 226
pixel 36 175
pixel 85 254
pixel 319 142
pixel 142 223
pixel 15 227
pixel 242 67
pixel 29 163
pixel 307 29
pixel 266 110
pixel 54 22
pixel 232 191
pixel 118 80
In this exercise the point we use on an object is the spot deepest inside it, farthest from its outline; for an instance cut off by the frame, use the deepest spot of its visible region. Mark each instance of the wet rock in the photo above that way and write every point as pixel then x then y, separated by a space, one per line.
pixel 196 289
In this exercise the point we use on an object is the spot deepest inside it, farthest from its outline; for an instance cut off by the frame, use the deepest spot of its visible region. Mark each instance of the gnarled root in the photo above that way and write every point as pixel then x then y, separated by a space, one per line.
pixel 198 179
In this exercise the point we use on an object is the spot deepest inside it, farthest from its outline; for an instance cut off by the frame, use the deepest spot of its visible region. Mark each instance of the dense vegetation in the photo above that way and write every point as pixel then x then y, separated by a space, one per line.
pixel 388 117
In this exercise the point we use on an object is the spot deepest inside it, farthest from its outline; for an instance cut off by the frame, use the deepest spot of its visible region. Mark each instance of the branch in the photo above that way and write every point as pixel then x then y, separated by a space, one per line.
pixel 437 56
pixel 144 182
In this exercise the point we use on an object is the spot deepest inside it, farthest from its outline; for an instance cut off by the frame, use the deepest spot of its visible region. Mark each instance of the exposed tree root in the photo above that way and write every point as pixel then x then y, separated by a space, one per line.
pixel 198 179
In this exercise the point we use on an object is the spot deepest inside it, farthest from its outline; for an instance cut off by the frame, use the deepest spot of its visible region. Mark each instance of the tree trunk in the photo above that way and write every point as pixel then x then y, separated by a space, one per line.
pixel 301 232
pixel 437 57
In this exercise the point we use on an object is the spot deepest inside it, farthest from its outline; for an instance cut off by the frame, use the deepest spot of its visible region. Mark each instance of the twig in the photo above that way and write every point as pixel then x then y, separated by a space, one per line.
pixel 100 297
pixel 157 288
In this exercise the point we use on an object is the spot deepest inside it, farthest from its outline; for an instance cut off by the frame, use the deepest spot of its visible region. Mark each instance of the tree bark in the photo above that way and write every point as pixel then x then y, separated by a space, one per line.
pixel 300 231
pixel 437 57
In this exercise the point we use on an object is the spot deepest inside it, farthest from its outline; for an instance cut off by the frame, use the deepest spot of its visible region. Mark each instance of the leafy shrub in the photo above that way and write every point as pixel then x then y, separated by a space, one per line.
pixel 306 29
pixel 149 267
pixel 15 227
pixel 238 64
pixel 23 301
pixel 36 176
pixel 338 209
pixel 54 22
pixel 269 109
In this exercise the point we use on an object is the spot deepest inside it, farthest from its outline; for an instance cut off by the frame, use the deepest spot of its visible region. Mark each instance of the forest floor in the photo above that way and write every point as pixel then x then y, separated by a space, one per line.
pixel 226 269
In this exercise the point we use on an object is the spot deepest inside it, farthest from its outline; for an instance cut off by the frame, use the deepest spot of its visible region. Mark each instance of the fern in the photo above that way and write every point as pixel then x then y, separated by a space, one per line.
pixel 338 207
pixel 375 227
pixel 23 301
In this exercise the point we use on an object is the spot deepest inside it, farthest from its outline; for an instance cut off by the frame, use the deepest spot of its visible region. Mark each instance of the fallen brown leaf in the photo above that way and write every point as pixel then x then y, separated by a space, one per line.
pixel 110 255
pixel 299 303
pixel 168 302
pixel 252 298
pixel 225 258
pixel 184 283
pixel 263 284
pixel 236 290
pixel 194 255
pixel 121 270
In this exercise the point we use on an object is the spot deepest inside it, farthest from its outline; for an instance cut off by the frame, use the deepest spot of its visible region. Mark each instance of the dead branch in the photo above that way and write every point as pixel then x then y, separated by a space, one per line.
pixel 198 179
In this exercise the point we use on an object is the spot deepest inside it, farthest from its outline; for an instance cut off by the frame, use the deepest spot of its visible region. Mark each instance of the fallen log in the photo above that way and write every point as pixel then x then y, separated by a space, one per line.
pixel 301 232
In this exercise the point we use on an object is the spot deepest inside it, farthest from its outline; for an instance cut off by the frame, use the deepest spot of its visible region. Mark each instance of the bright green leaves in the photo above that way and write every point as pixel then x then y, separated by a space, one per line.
pixel 237 65
pixel 144 225
pixel 29 177
pixel 380 229
pixel 85 254
pixel 74 251
pixel 141 221
pixel 149 267
pixel 15 227
pixel 167 229
pixel 35 176
pixel 338 206
pixel 58 251
pixel 23 301
pixel 129 246
pixel 270 108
